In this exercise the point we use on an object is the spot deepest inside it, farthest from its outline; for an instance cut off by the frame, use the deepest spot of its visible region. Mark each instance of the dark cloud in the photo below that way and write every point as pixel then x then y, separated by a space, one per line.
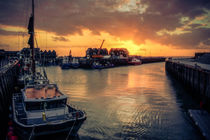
pixel 189 8
pixel 207 42
pixel 59 38
pixel 194 38
pixel 71 16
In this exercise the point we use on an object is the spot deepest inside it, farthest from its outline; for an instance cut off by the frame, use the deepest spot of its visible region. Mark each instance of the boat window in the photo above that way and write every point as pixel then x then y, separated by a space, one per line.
pixel 45 105
pixel 55 104
pixel 34 106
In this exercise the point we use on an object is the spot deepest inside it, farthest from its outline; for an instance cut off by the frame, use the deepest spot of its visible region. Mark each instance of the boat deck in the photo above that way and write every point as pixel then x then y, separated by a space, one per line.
pixel 44 92
pixel 58 114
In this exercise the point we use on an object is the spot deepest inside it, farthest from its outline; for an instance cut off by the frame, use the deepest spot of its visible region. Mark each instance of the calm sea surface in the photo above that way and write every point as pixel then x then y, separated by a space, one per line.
pixel 135 102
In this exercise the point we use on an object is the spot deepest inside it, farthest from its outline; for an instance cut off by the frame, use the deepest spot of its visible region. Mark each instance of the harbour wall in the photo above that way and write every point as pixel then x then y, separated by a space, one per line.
pixel 8 78
pixel 152 59
pixel 195 78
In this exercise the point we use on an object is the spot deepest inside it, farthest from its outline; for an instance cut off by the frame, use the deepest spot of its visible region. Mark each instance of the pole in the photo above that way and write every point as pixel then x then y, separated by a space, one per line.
pixel 33 55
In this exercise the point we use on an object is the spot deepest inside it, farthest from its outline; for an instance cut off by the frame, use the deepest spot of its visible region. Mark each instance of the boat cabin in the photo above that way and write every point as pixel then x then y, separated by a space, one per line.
pixel 39 97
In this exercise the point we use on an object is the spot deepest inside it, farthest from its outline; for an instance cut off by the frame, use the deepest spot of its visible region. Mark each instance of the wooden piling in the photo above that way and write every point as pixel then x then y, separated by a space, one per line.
pixel 196 78
pixel 8 78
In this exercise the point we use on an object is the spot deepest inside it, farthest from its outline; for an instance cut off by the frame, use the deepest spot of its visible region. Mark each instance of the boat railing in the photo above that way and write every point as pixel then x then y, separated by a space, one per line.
pixel 75 108
pixel 76 114
pixel 8 66
pixel 71 115
pixel 18 100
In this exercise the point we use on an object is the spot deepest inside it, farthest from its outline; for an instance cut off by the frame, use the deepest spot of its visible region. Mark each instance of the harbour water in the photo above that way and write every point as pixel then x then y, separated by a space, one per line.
pixel 135 102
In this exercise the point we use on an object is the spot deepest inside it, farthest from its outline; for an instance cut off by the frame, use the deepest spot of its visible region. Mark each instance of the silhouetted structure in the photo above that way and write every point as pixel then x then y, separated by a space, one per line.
pixel 119 52
pixel 48 57
pixel 7 54
pixel 25 52
pixel 43 57
pixel 203 57
pixel 96 51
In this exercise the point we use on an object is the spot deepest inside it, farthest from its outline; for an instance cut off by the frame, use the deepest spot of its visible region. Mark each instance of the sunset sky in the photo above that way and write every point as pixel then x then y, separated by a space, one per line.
pixel 144 27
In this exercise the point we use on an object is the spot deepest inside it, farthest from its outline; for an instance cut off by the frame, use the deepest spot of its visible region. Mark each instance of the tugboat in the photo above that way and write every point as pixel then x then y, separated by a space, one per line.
pixel 40 108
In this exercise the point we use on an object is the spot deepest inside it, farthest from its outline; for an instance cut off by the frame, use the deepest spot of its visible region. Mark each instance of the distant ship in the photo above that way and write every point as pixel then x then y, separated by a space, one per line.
pixel 41 108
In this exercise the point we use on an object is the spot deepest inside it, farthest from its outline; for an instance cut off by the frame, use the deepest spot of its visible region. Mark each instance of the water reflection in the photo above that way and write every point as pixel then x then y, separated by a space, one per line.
pixel 126 102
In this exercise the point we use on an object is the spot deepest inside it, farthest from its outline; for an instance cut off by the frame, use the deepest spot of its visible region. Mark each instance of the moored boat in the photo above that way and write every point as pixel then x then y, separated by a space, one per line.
pixel 108 65
pixel 135 61
pixel 97 65
pixel 65 63
pixel 41 108
pixel 75 63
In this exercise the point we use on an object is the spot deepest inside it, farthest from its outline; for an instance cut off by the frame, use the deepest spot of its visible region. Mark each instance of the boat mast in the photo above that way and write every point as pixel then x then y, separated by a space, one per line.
pixel 31 39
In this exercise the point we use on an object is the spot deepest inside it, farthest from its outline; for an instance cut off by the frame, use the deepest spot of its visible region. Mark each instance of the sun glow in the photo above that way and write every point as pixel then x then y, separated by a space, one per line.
pixel 78 43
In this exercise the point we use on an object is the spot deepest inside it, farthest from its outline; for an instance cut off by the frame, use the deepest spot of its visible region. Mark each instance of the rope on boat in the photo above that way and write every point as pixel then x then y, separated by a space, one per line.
pixel 71 129
pixel 32 133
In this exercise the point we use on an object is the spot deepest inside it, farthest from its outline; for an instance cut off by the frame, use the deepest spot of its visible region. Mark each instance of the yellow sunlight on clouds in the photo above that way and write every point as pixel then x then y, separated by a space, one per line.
pixel 78 43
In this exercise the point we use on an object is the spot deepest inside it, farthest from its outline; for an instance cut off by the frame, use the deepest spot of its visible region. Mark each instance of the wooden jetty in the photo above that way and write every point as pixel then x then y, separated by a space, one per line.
pixel 194 75
pixel 201 119
pixel 8 77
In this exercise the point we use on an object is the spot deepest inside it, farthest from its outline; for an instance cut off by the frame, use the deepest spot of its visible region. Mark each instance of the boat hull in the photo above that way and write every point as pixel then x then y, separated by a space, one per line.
pixel 97 67
pixel 75 66
pixel 69 127
pixel 65 66
pixel 134 63
pixel 69 123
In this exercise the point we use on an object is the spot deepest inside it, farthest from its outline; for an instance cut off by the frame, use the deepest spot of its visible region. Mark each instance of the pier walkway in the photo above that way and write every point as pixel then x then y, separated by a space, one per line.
pixel 194 75
pixel 192 63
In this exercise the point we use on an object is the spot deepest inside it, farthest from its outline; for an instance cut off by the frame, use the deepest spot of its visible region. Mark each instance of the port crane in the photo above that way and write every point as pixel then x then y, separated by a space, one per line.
pixel 98 55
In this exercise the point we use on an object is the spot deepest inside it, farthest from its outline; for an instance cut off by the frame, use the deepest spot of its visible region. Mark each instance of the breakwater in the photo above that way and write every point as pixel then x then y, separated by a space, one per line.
pixel 110 62
pixel 8 78
pixel 152 59
pixel 195 76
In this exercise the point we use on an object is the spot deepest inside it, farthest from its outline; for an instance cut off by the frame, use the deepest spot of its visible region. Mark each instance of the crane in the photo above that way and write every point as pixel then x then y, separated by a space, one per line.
pixel 98 54
pixel 101 45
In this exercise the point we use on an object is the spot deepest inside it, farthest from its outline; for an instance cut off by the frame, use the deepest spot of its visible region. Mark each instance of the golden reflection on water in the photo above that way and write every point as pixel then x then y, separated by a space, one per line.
pixel 126 109
pixel 124 102
pixel 137 80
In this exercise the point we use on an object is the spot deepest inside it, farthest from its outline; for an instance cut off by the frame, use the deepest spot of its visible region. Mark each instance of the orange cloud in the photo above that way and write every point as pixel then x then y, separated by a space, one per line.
pixel 78 43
